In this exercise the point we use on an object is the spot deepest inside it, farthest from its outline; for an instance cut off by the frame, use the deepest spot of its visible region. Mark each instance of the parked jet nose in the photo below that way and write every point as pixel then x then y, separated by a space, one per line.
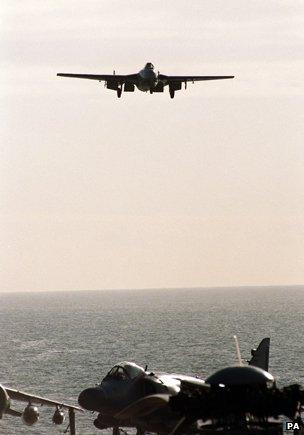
pixel 92 399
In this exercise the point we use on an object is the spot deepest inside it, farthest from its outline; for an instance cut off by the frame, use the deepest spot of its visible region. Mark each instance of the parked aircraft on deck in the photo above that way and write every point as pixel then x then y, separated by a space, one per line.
pixel 131 396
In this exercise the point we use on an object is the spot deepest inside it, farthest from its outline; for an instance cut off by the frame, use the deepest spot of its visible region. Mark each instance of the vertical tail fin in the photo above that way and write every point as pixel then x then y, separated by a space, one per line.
pixel 260 356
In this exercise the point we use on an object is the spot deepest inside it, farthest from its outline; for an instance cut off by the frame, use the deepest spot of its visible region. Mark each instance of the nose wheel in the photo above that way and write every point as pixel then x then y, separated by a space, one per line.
pixel 172 92
pixel 119 91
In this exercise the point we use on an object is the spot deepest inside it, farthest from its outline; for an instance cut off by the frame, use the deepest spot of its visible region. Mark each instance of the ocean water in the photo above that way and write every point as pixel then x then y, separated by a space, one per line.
pixel 56 344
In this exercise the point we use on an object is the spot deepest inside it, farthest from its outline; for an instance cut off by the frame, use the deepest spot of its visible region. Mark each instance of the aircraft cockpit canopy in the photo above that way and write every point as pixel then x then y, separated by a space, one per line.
pixel 149 65
pixel 125 370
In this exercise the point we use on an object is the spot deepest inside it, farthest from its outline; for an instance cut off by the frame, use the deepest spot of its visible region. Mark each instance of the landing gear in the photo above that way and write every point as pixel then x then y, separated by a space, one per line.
pixel 116 431
pixel 172 92
pixel 140 431
pixel 119 91
pixel 151 91
pixel 72 423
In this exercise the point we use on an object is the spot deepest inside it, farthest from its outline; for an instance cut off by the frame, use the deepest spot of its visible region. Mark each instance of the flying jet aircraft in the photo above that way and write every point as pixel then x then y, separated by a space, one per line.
pixel 145 80
pixel 30 415
pixel 131 396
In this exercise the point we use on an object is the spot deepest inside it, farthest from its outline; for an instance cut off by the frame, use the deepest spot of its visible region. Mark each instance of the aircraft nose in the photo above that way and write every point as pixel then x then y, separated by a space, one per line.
pixel 92 399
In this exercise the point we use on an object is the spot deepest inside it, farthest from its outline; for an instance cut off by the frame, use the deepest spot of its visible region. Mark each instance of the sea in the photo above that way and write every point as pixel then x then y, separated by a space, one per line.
pixel 58 343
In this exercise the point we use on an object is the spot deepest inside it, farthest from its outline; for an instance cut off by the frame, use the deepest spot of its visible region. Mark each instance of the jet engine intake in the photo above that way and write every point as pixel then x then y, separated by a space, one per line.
pixel 175 86
pixel 159 87
pixel 112 84
pixel 129 87
pixel 4 401
pixel 30 415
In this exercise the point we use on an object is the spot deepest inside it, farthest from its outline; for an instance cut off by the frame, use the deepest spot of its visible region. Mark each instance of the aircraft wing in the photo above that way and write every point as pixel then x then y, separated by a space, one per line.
pixel 102 77
pixel 183 79
pixel 33 399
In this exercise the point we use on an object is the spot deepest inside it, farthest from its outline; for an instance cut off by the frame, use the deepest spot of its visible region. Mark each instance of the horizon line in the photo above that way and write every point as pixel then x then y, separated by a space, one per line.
pixel 251 286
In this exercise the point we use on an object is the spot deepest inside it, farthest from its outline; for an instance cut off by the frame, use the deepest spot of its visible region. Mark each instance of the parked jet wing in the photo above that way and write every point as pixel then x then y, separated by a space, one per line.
pixel 33 399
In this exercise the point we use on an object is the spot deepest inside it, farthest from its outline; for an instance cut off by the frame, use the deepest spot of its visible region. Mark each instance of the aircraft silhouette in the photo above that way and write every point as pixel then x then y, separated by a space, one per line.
pixel 131 396
pixel 145 80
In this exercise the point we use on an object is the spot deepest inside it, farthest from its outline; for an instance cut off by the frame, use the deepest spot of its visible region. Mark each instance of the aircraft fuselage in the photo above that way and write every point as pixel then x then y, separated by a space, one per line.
pixel 127 384
pixel 147 80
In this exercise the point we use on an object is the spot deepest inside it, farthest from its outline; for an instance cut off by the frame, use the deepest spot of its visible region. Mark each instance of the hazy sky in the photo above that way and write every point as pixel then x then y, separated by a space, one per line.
pixel 203 190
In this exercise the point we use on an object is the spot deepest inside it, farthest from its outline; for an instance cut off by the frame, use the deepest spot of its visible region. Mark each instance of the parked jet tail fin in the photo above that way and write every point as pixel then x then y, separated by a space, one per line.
pixel 260 356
